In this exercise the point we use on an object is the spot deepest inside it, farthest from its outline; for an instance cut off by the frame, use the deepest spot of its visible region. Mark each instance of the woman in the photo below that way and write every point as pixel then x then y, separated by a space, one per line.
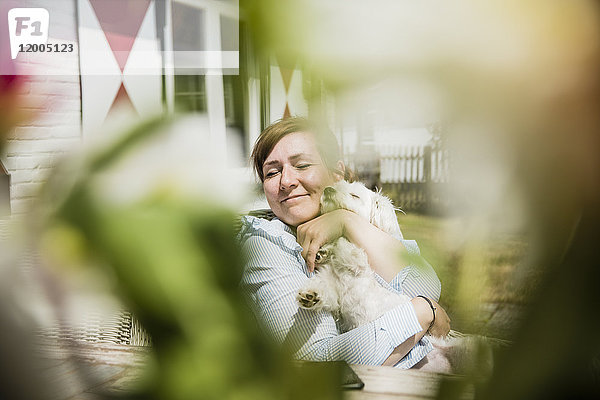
pixel 295 161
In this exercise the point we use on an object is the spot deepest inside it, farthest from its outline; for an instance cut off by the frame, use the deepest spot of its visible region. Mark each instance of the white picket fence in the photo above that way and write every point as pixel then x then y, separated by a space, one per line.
pixel 412 164
pixel 413 175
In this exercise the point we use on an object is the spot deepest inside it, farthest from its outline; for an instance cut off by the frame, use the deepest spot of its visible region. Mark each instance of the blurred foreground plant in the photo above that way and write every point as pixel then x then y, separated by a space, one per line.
pixel 150 208
pixel 517 84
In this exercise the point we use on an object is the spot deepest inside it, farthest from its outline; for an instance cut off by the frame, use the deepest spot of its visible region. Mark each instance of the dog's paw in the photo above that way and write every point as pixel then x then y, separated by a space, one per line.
pixel 308 299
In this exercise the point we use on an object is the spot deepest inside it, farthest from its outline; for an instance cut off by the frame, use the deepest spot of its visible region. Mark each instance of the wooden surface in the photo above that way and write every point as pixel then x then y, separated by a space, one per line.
pixel 394 383
pixel 389 382
pixel 89 371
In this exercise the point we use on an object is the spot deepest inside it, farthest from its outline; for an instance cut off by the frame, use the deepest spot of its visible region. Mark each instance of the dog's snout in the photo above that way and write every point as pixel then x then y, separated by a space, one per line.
pixel 329 191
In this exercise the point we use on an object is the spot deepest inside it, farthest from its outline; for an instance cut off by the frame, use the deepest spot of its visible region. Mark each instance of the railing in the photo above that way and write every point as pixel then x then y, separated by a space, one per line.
pixel 412 164
pixel 414 176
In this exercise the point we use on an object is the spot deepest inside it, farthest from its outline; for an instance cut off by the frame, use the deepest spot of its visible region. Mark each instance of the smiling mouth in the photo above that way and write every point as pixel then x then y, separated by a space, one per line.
pixel 293 197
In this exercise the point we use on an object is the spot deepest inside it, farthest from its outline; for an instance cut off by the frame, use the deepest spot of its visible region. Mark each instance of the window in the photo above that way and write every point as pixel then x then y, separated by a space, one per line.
pixel 230 96
pixel 188 35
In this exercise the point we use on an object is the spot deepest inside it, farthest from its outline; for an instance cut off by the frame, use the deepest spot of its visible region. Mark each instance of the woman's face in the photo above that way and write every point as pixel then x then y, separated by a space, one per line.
pixel 294 178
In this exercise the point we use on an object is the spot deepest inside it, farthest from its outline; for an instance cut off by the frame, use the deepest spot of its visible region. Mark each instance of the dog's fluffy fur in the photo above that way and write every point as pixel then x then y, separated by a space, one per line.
pixel 346 287
pixel 345 284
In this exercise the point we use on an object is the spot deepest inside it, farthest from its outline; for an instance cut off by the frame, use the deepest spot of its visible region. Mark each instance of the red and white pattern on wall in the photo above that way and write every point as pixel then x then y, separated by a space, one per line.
pixel 286 95
pixel 120 60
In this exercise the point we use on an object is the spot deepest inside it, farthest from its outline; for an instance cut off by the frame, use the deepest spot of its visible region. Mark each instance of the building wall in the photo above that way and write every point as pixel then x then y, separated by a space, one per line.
pixel 53 93
pixel 54 127
pixel 286 96
pixel 120 62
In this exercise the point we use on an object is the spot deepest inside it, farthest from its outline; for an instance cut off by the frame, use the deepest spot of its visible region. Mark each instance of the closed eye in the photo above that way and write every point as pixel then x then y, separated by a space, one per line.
pixel 303 166
pixel 355 196
pixel 271 174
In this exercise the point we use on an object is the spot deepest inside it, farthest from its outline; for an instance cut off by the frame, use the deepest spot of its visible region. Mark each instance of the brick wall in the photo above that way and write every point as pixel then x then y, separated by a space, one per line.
pixel 52 93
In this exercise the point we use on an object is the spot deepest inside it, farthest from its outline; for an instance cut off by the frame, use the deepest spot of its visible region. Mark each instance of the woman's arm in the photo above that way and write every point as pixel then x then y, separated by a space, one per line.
pixel 440 327
pixel 400 266
pixel 387 255
pixel 422 314
pixel 271 280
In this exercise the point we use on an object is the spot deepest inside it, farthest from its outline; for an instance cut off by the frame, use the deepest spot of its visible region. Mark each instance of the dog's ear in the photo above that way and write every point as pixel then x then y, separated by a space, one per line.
pixel 375 215
pixel 384 216
pixel 379 212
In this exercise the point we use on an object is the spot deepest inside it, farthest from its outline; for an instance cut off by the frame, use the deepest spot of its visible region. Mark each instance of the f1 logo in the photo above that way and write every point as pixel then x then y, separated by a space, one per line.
pixel 27 26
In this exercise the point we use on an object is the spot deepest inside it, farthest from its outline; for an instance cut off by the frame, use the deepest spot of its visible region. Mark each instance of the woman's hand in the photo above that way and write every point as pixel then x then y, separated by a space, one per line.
pixel 384 252
pixel 315 233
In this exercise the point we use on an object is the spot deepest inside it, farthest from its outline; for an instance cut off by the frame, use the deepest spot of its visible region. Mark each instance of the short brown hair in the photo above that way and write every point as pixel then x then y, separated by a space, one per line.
pixel 327 144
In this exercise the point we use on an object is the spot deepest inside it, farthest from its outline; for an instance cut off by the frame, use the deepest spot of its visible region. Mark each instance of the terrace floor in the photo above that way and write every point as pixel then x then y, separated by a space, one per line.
pixel 97 371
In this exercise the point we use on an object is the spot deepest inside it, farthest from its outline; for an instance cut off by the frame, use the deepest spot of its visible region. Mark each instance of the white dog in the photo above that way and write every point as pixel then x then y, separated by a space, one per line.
pixel 345 284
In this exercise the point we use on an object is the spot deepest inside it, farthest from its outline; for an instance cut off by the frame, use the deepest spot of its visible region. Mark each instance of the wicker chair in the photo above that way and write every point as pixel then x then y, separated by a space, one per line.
pixel 118 327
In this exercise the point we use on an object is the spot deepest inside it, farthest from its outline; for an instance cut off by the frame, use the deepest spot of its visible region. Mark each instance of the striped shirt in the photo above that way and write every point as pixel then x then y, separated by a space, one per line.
pixel 274 272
